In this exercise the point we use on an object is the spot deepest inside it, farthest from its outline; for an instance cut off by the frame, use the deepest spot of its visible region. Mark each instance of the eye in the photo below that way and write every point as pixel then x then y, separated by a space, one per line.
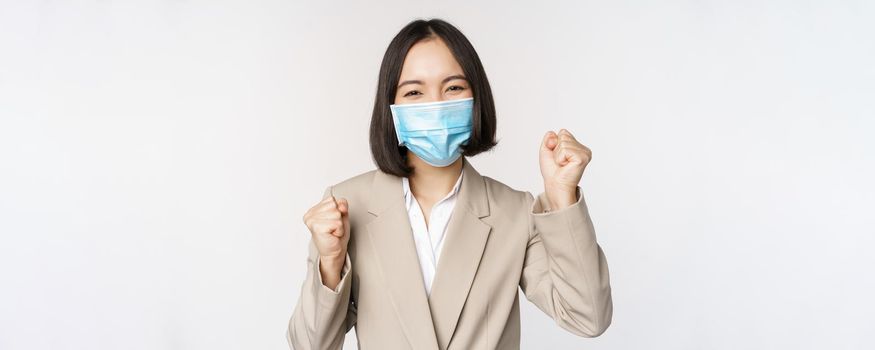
pixel 455 88
pixel 411 93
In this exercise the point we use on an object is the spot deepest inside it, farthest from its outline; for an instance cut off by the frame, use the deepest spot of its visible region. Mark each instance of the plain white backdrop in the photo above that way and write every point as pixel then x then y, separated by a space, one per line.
pixel 156 158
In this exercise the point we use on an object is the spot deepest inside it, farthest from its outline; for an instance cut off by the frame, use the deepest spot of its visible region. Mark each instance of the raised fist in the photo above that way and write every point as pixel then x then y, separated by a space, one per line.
pixel 328 222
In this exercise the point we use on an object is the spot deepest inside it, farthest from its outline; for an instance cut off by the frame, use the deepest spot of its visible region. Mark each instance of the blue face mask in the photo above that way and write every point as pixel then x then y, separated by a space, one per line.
pixel 433 131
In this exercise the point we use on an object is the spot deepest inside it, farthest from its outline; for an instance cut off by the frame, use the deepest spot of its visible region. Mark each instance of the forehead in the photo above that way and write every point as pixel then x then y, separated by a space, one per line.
pixel 429 59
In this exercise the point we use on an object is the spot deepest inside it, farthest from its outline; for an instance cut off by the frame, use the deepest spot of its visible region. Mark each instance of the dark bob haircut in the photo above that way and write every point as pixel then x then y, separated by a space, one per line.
pixel 391 157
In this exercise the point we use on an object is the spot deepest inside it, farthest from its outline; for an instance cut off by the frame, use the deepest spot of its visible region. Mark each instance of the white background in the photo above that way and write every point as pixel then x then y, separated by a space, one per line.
pixel 156 159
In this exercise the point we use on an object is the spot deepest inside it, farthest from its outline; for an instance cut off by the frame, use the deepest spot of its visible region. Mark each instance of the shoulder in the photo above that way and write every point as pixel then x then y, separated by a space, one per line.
pixel 508 205
pixel 354 184
pixel 504 196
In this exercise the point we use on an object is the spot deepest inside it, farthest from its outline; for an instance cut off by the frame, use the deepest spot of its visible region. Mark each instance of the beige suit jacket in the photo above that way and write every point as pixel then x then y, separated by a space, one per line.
pixel 498 240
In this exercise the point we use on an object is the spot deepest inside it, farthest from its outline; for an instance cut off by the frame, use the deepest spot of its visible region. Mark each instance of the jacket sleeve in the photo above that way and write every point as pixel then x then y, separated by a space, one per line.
pixel 565 273
pixel 322 316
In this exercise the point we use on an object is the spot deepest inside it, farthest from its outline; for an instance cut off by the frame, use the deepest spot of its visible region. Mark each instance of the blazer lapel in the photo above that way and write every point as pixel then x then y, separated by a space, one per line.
pixel 464 243
pixel 428 321
pixel 391 238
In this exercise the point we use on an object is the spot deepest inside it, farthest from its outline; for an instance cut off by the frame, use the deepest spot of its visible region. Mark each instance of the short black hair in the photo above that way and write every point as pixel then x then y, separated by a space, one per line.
pixel 391 157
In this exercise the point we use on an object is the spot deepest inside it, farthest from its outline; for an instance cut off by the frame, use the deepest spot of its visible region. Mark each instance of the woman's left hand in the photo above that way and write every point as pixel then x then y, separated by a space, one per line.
pixel 563 160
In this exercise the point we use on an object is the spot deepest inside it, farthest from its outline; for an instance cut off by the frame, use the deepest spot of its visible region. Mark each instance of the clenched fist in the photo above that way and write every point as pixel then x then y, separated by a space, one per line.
pixel 562 160
pixel 328 222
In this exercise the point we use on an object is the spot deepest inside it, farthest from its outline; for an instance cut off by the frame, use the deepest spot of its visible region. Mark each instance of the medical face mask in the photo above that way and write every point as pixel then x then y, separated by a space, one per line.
pixel 433 131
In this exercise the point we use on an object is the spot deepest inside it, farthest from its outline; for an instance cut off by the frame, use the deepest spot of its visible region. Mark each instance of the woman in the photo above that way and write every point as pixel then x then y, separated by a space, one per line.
pixel 424 252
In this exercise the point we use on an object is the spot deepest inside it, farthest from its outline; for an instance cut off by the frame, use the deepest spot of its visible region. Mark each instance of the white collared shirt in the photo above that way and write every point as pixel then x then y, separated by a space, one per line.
pixel 429 239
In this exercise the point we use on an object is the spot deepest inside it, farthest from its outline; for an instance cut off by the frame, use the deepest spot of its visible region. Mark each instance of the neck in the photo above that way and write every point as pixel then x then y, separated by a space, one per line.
pixel 433 182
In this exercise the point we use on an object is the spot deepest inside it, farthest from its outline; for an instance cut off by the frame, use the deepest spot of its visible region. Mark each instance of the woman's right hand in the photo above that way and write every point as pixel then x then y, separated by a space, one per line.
pixel 328 222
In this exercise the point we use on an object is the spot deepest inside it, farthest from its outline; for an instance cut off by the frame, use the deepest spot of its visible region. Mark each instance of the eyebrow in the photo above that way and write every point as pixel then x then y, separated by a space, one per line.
pixel 447 79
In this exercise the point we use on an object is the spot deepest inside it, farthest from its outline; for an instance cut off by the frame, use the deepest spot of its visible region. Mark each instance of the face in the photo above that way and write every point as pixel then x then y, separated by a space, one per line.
pixel 430 73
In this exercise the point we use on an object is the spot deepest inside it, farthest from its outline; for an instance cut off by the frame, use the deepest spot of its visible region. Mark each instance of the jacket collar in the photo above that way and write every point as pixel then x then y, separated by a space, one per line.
pixel 428 321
